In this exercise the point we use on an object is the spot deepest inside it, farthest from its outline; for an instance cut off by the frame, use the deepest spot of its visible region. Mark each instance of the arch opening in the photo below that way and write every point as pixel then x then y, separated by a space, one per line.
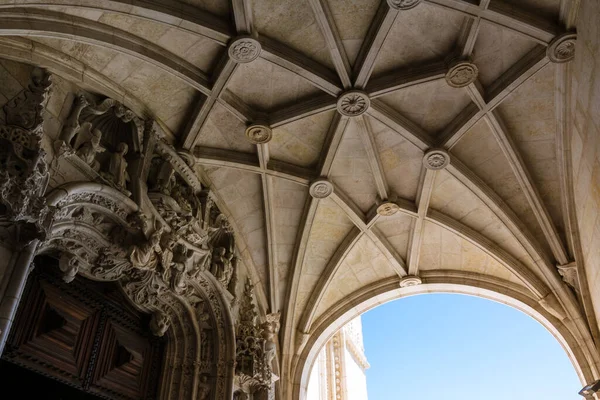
pixel 360 303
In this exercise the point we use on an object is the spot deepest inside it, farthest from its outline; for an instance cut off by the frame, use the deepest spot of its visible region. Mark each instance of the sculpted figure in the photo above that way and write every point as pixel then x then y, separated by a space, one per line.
pixel 69 266
pixel 117 169
pixel 269 329
pixel 159 323
pixel 90 147
pixel 222 268
pixel 181 258
pixel 145 257
pixel 72 124
pixel 203 388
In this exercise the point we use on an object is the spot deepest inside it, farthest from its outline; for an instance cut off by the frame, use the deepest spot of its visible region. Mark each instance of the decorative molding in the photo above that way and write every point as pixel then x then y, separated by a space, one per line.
pixel 410 280
pixel 387 208
pixel 24 172
pixel 436 159
pixel 461 74
pixel 562 48
pixel 403 4
pixel 353 103
pixel 321 189
pixel 259 133
pixel 244 49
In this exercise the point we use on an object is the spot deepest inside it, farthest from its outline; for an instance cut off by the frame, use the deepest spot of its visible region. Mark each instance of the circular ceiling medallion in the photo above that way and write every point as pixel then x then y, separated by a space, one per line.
pixel 436 159
pixel 410 280
pixel 462 74
pixel 387 208
pixel 244 49
pixel 321 189
pixel 259 133
pixel 403 4
pixel 353 103
pixel 562 48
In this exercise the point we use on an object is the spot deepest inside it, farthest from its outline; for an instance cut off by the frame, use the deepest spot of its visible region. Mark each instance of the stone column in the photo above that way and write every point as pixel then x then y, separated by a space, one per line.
pixel 15 277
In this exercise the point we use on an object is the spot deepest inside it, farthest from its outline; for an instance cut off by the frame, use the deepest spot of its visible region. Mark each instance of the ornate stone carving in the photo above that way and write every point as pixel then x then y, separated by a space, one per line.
pixel 23 170
pixel 461 74
pixel 69 266
pixel 117 168
pixel 410 280
pixel 159 323
pixel 570 275
pixel 436 159
pixel 90 147
pixel 72 126
pixel 321 189
pixel 387 208
pixel 270 329
pixel 562 48
pixel 253 355
pixel 403 4
pixel 244 49
pixel 259 133
pixel 353 103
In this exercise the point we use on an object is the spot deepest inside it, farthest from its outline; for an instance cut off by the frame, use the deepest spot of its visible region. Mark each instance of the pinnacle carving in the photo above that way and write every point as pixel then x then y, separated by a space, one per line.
pixel 353 103
pixel 321 189
pixel 562 48
pixel 461 74
pixel 259 133
pixel 403 4
pixel 436 159
pixel 244 49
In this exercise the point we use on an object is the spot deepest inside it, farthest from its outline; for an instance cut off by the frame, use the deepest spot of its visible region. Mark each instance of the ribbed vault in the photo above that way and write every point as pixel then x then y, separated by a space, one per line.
pixel 380 156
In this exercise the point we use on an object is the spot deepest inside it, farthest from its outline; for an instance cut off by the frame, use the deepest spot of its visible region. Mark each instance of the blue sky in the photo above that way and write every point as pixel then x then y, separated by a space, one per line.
pixel 456 347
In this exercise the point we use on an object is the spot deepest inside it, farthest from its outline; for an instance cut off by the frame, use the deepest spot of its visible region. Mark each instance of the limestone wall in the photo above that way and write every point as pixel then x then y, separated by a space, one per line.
pixel 585 141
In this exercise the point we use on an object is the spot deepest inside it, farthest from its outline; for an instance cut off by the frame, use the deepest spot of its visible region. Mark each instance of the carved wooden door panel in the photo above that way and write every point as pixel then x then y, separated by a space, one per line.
pixel 84 334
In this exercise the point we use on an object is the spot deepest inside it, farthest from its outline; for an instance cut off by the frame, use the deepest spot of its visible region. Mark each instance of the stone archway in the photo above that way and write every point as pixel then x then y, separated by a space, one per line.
pixel 584 362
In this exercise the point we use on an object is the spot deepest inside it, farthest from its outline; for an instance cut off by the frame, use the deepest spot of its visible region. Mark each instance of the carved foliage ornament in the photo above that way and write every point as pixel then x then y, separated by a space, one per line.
pixel 23 170
pixel 244 49
pixel 255 348
pixel 353 103
pixel 403 4
pixel 562 48
pixel 461 74
pixel 321 189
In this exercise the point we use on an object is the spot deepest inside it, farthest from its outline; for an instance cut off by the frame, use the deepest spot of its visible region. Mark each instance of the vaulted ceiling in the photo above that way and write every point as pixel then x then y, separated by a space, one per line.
pixel 353 105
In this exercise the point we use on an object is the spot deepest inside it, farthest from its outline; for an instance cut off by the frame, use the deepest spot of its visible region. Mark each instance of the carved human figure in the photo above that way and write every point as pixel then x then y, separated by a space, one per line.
pixel 145 257
pixel 89 148
pixel 181 261
pixel 270 328
pixel 222 268
pixel 117 169
pixel 203 388
pixel 72 124
pixel 159 323
pixel 69 266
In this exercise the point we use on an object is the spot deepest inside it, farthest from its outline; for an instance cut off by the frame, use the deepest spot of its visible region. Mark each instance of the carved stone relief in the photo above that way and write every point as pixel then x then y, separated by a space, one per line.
pixel 24 173
pixel 353 103
pixel 461 74
pixel 321 189
pixel 244 49
pixel 562 48
pixel 99 139
pixel 403 4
